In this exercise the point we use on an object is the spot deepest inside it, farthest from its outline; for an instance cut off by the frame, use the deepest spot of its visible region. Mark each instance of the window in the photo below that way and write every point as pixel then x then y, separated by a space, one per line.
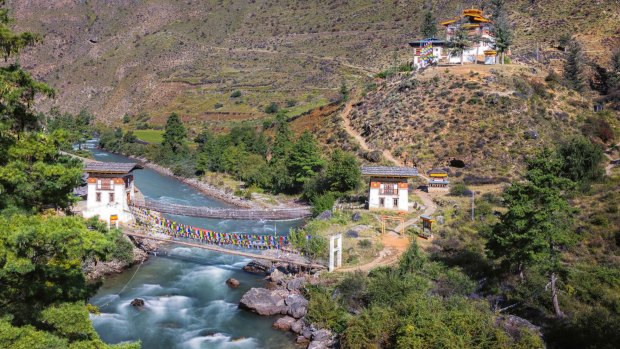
pixel 98 197
pixel 382 202
pixel 395 202
pixel 111 197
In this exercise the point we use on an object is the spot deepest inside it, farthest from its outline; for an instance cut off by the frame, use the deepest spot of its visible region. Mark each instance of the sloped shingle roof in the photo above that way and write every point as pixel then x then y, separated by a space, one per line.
pixel 111 167
pixel 389 171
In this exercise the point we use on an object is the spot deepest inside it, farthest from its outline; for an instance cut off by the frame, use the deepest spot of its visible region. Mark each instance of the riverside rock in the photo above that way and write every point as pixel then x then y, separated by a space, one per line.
pixel 297 306
pixel 233 283
pixel 276 276
pixel 284 323
pixel 138 303
pixel 260 301
pixel 295 284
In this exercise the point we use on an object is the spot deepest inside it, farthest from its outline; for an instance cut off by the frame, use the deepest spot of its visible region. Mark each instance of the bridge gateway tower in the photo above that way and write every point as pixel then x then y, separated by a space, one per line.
pixel 110 190
pixel 388 188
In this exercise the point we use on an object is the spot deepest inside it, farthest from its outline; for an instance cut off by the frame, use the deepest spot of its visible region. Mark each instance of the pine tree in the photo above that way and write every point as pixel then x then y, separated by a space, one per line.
pixel 304 160
pixel 536 226
pixel 501 28
pixel 175 135
pixel 429 25
pixel 574 66
pixel 460 42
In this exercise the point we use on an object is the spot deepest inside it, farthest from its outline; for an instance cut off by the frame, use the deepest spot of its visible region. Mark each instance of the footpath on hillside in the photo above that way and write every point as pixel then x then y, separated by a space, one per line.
pixel 394 245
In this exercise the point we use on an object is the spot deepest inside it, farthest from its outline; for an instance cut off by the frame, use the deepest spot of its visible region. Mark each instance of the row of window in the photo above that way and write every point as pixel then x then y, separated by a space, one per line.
pixel 98 197
pixel 382 202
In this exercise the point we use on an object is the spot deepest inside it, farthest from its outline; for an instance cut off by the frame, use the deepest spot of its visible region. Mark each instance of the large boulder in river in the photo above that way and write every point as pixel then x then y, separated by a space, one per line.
pixel 138 303
pixel 260 301
pixel 233 283
pixel 284 323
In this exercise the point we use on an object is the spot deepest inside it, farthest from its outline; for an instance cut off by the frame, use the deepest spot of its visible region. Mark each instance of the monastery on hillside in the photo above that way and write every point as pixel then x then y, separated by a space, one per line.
pixel 432 50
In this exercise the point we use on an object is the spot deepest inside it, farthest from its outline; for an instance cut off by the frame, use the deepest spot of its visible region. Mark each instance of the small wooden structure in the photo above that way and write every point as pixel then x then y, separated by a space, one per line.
pixel 427 225
pixel 388 188
pixel 385 219
pixel 438 178
pixel 110 190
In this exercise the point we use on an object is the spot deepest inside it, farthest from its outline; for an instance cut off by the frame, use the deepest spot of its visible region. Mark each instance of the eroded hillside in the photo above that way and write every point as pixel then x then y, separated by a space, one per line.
pixel 123 56
pixel 490 118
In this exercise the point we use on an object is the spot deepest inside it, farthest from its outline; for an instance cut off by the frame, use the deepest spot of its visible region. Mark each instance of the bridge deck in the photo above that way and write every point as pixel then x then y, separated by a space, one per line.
pixel 225 213
pixel 228 251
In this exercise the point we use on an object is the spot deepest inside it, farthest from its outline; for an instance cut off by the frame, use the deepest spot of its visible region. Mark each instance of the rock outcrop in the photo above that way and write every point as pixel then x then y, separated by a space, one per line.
pixel 137 302
pixel 233 283
pixel 263 302
pixel 285 298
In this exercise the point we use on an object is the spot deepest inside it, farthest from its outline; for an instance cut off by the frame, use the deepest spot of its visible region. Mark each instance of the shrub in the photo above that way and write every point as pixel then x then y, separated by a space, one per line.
pixel 459 189
pixel 364 243
pixel 235 94
pixel 218 105
pixel 272 108
pixel 322 203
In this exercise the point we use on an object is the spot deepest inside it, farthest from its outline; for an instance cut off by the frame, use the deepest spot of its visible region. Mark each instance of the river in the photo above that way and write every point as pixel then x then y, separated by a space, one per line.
pixel 188 304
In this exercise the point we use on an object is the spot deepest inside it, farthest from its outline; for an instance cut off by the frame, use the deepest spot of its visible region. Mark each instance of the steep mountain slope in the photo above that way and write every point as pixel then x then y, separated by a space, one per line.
pixel 489 118
pixel 127 56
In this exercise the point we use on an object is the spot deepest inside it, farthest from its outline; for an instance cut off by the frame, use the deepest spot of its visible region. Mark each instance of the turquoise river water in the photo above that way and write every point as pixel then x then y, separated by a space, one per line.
pixel 188 304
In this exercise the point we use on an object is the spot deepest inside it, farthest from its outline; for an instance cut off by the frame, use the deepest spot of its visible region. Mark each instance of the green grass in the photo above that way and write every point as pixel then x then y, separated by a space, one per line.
pixel 151 136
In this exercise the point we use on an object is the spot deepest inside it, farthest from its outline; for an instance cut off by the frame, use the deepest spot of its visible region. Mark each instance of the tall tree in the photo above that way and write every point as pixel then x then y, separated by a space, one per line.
pixel 574 66
pixel 304 160
pixel 536 226
pixel 282 142
pixel 503 37
pixel 429 25
pixel 460 42
pixel 342 172
pixel 175 135
pixel 581 160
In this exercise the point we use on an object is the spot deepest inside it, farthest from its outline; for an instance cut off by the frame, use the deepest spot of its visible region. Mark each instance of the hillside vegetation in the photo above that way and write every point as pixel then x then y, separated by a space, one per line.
pixel 189 57
pixel 490 118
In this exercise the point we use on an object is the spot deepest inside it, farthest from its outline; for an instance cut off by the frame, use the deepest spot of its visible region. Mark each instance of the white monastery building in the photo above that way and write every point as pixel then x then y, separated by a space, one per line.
pixel 388 187
pixel 431 50
pixel 110 190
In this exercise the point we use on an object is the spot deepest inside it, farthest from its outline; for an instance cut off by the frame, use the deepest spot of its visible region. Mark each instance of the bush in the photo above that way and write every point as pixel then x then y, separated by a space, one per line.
pixel 272 108
pixel 324 311
pixel 322 203
pixel 235 94
pixel 364 243
pixel 459 189
pixel 218 105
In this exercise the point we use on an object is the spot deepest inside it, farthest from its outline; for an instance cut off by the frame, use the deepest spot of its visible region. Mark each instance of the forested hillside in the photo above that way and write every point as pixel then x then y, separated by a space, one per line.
pixel 118 57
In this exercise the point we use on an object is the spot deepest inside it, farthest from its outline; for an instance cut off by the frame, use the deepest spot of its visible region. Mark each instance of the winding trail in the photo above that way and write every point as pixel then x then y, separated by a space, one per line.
pixel 394 244
pixel 346 117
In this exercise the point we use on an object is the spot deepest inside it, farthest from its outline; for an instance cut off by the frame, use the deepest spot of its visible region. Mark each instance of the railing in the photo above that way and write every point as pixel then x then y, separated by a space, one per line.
pixel 225 213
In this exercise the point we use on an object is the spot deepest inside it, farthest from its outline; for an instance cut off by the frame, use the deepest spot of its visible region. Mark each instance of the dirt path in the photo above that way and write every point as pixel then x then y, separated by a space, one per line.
pixel 609 165
pixel 394 244
pixel 345 114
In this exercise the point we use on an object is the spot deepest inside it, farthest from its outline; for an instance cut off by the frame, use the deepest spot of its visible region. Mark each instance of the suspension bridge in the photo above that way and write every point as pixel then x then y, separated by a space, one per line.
pixel 224 213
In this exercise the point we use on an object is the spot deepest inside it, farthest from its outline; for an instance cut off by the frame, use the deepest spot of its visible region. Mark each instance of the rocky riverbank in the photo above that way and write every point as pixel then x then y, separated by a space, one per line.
pixel 197 184
pixel 283 296
pixel 96 270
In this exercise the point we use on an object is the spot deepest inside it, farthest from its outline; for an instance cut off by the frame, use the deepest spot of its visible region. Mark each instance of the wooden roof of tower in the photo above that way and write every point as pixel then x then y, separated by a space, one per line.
pixel 389 171
pixel 474 15
pixel 111 167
